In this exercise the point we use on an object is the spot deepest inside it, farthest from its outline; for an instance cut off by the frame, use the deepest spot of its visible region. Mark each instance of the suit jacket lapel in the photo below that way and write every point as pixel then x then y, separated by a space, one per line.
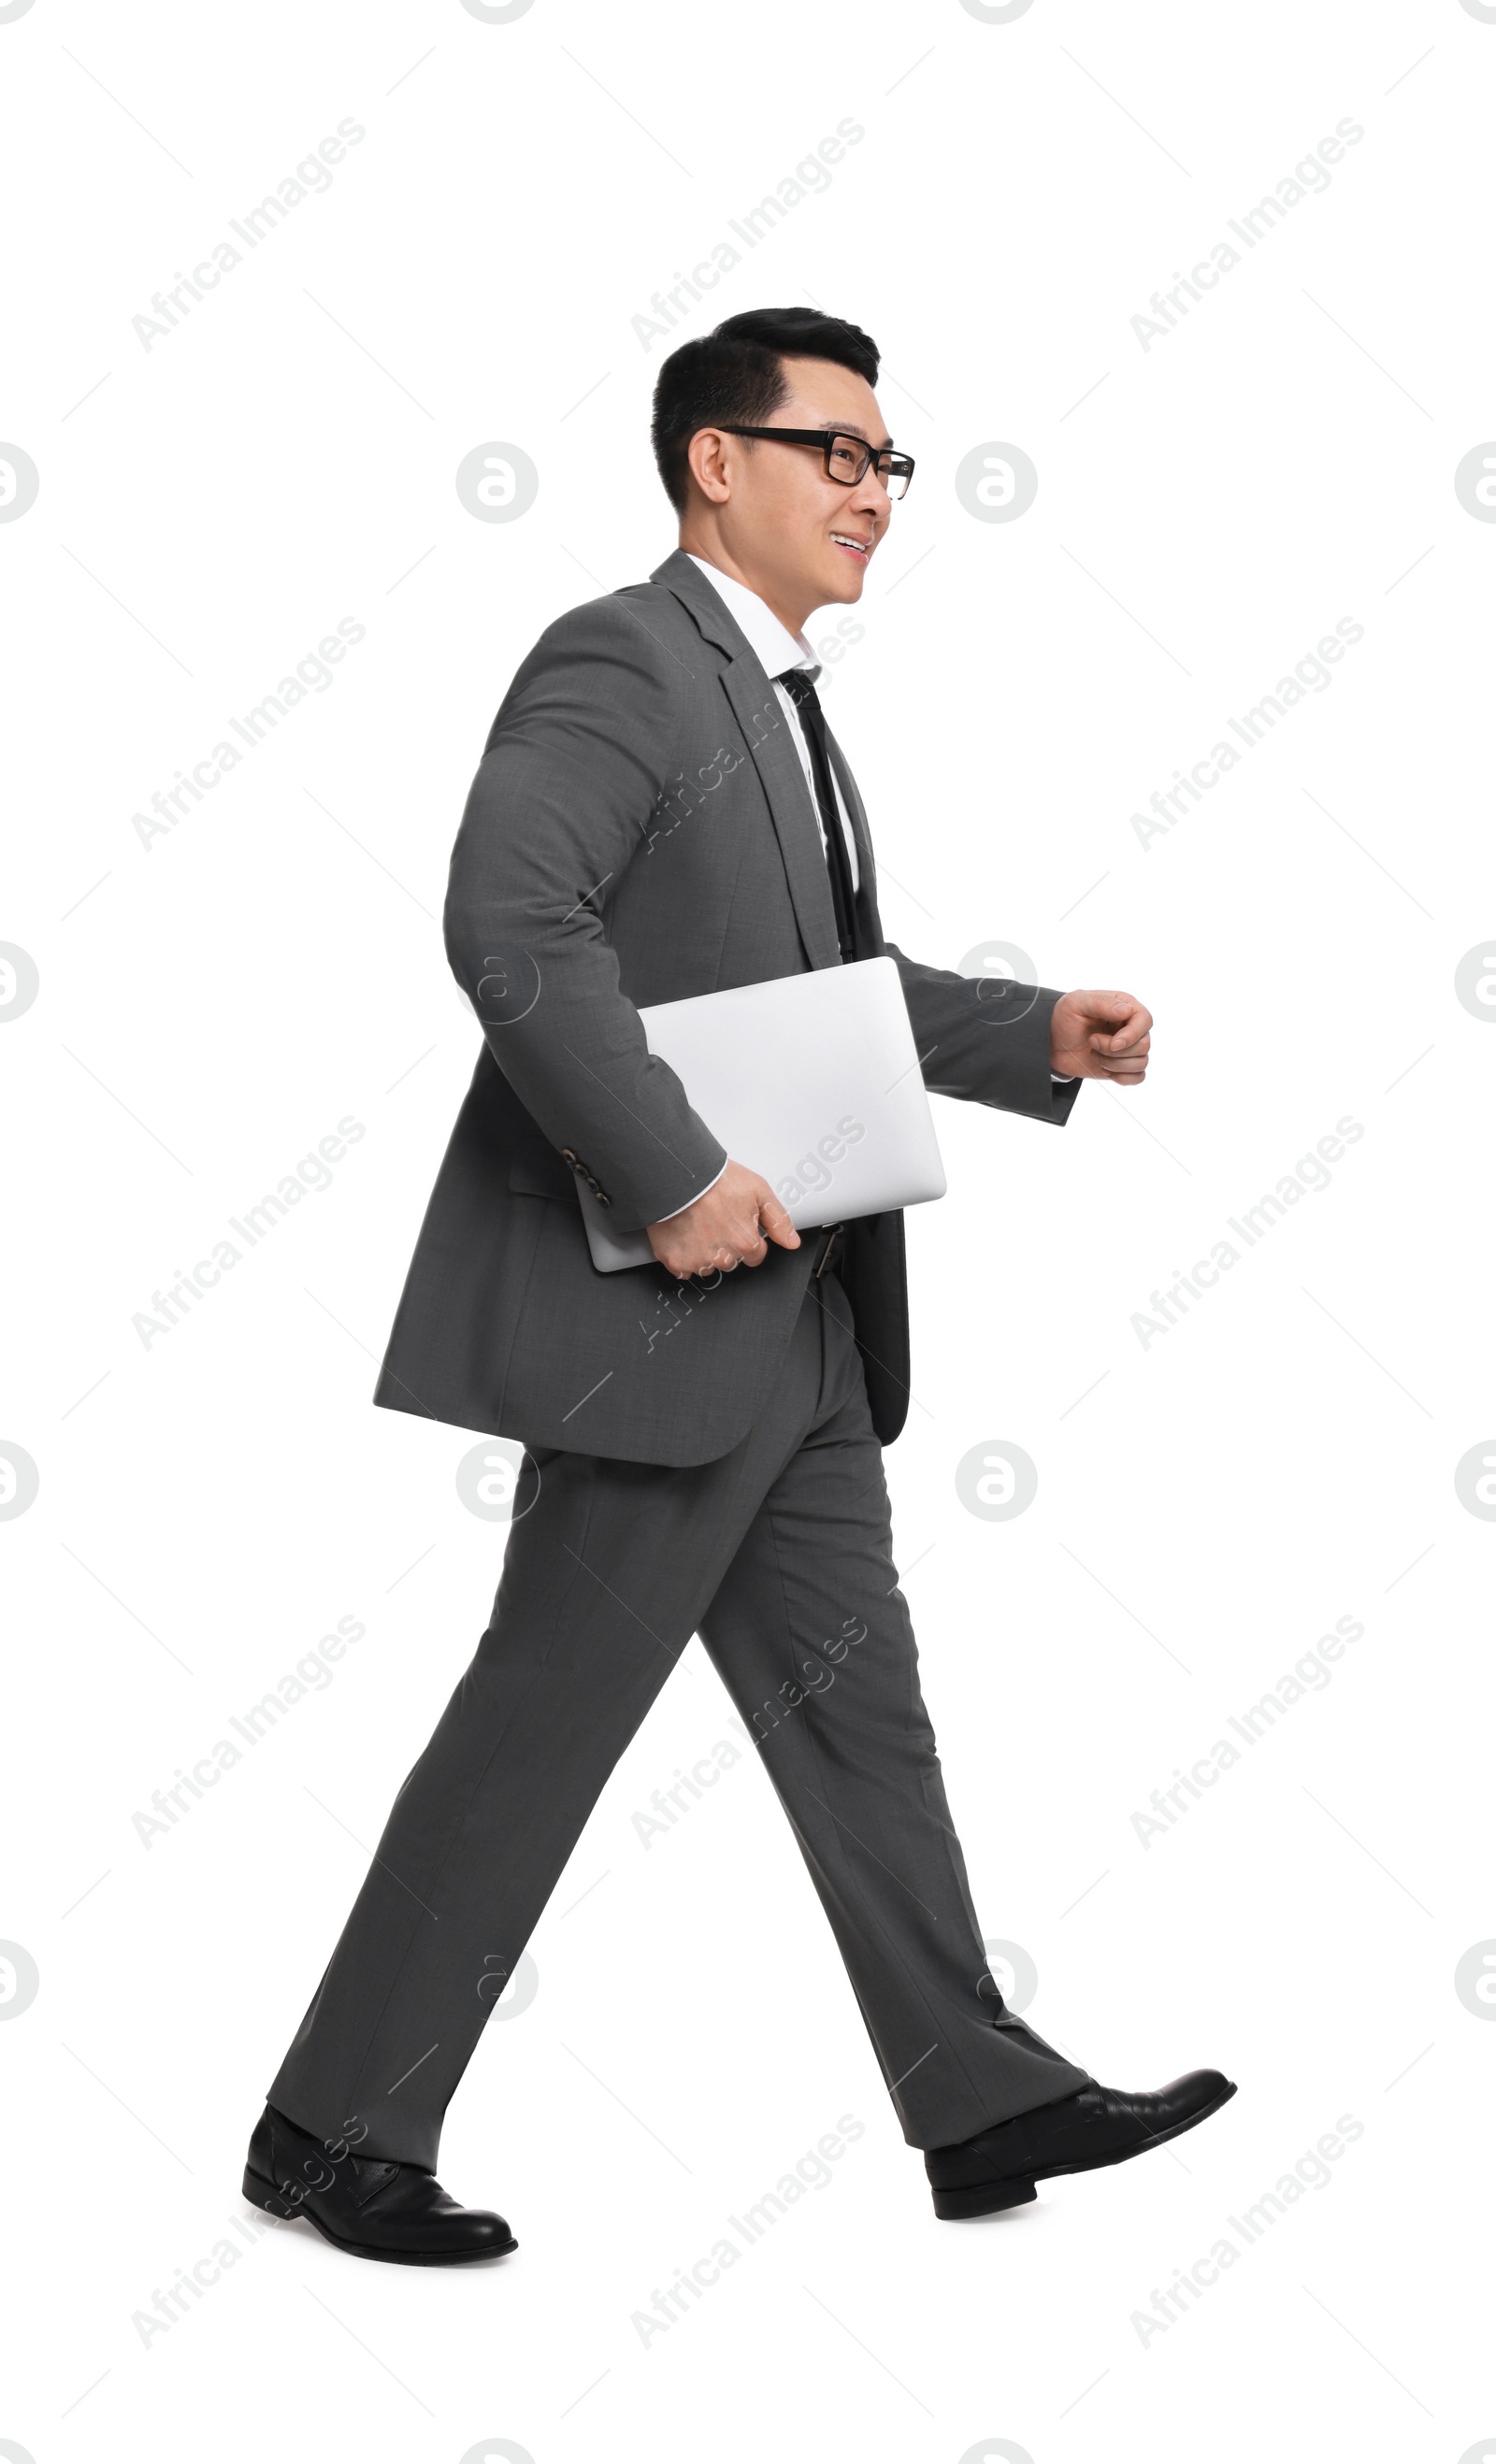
pixel 759 712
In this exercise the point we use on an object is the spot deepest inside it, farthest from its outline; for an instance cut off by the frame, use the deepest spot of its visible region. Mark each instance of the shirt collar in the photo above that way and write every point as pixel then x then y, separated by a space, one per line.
pixel 775 648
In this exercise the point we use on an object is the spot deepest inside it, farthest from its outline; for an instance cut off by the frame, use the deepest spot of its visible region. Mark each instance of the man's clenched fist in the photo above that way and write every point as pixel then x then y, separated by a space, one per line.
pixel 722 1229
pixel 1100 1035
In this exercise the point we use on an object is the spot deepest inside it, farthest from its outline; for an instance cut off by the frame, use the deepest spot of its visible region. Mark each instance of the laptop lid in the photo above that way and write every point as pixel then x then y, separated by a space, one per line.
pixel 811 1080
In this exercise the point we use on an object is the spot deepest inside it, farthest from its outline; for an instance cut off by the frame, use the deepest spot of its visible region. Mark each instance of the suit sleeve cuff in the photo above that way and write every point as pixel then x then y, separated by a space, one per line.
pixel 691 1201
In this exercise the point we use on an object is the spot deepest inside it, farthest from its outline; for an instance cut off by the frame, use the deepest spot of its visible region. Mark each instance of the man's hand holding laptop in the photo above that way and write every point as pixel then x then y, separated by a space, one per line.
pixel 722 1230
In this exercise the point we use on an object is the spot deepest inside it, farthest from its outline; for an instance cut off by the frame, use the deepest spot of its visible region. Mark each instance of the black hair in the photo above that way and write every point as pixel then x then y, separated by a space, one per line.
pixel 735 376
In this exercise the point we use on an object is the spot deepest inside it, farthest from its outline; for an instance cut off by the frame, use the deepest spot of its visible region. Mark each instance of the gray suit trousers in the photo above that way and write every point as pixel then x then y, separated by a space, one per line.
pixel 780 1555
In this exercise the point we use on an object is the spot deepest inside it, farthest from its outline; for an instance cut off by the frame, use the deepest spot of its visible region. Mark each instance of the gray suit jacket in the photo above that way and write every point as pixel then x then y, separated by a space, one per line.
pixel 639 831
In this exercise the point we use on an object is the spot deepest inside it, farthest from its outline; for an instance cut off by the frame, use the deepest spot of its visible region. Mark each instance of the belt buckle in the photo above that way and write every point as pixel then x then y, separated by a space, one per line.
pixel 833 1234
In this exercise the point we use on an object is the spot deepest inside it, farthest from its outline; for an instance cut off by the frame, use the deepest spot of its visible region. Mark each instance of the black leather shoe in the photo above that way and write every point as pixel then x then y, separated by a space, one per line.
pixel 1097 2126
pixel 367 2204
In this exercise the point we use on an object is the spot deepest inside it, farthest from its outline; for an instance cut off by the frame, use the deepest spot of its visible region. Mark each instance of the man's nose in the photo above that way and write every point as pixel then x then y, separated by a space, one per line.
pixel 871 497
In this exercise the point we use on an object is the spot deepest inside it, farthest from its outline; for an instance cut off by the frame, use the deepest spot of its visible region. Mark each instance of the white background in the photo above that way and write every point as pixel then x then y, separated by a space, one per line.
pixel 1208 1505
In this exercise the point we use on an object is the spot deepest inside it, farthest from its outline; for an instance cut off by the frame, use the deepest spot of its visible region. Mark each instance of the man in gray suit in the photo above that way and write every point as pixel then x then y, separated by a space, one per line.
pixel 661 811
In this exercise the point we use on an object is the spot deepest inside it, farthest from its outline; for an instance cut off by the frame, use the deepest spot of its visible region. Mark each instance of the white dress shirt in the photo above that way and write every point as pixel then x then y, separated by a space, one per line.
pixel 775 651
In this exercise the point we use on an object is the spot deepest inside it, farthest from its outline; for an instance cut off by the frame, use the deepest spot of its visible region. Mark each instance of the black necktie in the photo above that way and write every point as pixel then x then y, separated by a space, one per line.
pixel 803 694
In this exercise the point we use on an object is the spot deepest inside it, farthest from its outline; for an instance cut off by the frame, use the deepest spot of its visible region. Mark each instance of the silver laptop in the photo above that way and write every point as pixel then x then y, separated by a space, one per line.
pixel 811 1080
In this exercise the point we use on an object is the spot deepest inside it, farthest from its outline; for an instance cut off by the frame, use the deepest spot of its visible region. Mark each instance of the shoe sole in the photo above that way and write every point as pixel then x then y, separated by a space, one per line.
pixel 261 2194
pixel 991 2198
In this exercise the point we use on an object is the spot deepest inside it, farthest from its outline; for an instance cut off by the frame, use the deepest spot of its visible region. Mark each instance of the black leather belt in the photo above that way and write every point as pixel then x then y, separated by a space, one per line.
pixel 835 1241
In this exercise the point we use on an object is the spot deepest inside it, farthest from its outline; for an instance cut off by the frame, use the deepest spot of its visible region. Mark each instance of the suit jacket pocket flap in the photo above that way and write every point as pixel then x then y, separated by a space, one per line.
pixel 542 1176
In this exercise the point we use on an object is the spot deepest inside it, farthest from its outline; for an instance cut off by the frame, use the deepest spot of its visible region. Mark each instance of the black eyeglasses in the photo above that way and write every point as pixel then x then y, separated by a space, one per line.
pixel 848 458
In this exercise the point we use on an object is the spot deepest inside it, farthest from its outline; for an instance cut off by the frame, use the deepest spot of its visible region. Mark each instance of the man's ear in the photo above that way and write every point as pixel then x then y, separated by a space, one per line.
pixel 706 457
